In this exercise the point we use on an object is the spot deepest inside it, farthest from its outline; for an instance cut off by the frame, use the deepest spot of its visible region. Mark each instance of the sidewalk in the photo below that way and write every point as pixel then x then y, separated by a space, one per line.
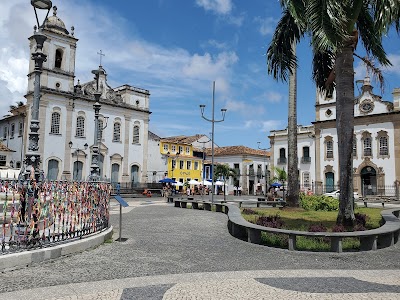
pixel 172 253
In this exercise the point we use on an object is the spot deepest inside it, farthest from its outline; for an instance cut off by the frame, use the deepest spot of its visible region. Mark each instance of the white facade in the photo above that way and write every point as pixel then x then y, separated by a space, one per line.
pixel 66 115
pixel 376 164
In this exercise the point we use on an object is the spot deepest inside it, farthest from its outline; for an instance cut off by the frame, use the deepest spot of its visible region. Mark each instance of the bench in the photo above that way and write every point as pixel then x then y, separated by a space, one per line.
pixel 378 199
pixel 259 202
pixel 374 239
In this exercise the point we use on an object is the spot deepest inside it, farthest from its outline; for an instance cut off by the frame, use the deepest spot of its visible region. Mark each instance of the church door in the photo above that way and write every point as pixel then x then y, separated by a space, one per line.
pixel 114 173
pixel 78 166
pixel 134 175
pixel 329 182
pixel 52 171
pixel 368 181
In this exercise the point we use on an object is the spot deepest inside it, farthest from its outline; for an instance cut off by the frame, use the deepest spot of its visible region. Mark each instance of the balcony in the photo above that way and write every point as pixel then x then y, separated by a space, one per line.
pixel 306 160
pixel 281 160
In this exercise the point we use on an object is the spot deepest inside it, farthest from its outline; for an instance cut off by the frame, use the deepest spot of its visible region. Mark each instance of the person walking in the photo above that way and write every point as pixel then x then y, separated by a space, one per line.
pixel 118 188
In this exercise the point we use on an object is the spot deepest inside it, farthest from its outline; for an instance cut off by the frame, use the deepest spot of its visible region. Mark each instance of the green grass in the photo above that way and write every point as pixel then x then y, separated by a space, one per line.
pixel 299 219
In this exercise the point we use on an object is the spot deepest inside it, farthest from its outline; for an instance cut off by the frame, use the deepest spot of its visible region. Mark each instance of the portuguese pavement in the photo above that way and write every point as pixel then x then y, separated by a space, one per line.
pixel 171 253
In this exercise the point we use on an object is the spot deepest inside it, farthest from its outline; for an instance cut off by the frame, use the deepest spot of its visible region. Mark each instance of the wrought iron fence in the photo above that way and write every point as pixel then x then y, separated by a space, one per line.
pixel 51 213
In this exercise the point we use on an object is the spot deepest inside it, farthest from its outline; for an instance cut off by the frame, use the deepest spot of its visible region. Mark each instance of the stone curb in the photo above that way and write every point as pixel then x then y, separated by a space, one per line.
pixel 22 259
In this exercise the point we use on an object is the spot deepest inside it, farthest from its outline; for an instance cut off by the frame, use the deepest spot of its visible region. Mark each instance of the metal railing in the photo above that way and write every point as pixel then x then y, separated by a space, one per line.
pixel 52 213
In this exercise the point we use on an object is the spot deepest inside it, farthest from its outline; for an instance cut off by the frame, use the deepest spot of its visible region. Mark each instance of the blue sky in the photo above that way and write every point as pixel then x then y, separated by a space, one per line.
pixel 176 49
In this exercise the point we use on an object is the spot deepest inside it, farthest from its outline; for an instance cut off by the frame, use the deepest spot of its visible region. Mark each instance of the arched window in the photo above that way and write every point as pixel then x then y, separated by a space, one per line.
pixel 58 60
pixel 367 146
pixel 329 149
pixel 117 132
pixel 55 123
pixel 80 126
pixel 136 134
pixel 52 170
pixel 114 173
pixel 383 146
pixel 282 156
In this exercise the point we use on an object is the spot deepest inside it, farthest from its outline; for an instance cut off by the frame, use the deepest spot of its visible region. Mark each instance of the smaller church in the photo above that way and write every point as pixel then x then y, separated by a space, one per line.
pixel 66 114
pixel 376 152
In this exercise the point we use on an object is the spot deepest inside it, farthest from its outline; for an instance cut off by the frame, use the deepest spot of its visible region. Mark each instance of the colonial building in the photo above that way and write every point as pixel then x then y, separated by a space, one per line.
pixel 250 165
pixel 66 115
pixel 376 144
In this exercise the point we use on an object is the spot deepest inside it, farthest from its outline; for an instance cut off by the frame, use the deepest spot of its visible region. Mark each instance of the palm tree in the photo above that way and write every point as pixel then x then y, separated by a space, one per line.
pixel 224 171
pixel 292 178
pixel 335 26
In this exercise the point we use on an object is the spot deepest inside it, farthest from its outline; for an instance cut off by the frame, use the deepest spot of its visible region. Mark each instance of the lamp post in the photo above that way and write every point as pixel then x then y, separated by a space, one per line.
pixel 95 168
pixel 77 156
pixel 213 121
pixel 32 157
pixel 265 167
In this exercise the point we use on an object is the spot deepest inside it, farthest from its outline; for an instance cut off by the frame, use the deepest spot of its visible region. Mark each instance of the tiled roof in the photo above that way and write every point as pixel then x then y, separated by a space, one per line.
pixel 237 150
pixel 5 148
pixel 153 136
pixel 182 139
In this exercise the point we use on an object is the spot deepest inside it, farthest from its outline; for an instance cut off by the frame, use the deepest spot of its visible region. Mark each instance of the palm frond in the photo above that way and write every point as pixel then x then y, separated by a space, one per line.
pixel 376 72
pixel 386 13
pixel 280 56
pixel 323 70
pixel 327 23
pixel 371 36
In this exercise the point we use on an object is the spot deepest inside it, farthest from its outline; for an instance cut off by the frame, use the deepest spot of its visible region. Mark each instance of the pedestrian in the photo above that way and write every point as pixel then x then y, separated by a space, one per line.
pixel 118 187
pixel 240 190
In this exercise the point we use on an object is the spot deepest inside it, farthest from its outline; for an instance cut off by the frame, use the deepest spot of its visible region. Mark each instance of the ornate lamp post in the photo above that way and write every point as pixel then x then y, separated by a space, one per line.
pixel 95 169
pixel 213 121
pixel 77 156
pixel 31 168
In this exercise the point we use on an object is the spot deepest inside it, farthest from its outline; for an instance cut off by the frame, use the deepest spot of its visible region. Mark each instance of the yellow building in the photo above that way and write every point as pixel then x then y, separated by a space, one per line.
pixel 182 164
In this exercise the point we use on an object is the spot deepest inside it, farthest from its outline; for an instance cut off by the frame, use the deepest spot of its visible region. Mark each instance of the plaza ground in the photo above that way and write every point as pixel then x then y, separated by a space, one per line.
pixel 172 253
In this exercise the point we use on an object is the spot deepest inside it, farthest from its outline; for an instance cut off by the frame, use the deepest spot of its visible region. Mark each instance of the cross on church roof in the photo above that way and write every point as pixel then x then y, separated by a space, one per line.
pixel 101 54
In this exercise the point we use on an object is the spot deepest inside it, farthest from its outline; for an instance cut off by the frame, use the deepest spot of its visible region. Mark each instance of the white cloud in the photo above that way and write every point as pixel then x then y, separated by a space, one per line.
pixel 221 7
pixel 266 26
pixel 264 126
pixel 395 60
pixel 274 97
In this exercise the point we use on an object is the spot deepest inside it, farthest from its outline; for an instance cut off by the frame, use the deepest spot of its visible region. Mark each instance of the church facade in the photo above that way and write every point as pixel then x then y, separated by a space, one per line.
pixel 376 145
pixel 66 113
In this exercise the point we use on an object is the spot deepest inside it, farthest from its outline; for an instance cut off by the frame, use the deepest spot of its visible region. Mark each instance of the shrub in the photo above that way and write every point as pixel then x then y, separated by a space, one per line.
pixel 317 228
pixel 249 211
pixel 361 219
pixel 338 228
pixel 315 202
pixel 273 221
pixel 359 227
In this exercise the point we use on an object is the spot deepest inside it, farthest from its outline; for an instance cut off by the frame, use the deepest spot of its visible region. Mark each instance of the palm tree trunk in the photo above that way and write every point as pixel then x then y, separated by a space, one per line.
pixel 345 129
pixel 293 177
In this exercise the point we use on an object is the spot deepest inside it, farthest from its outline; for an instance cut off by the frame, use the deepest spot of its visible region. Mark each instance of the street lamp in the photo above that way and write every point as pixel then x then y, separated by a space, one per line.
pixel 265 167
pixel 213 121
pixel 77 156
pixel 95 168
pixel 32 157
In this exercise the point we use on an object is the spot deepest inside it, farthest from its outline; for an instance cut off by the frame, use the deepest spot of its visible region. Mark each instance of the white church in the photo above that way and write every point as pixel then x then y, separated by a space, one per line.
pixel 66 115
pixel 376 148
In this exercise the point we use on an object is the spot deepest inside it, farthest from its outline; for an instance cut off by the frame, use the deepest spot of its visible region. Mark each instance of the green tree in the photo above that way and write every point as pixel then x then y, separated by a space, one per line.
pixel 281 176
pixel 334 27
pixel 224 171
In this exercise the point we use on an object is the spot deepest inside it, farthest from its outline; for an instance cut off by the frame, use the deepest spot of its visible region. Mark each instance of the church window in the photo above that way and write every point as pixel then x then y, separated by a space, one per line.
pixel 2 160
pixel 383 146
pixel 80 126
pixel 5 132
pixel 20 128
pixel 367 146
pixel 136 134
pixel 55 123
pixel 58 60
pixel 282 156
pixel 329 149
pixel 117 132
pixel 354 146
pixel 12 131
